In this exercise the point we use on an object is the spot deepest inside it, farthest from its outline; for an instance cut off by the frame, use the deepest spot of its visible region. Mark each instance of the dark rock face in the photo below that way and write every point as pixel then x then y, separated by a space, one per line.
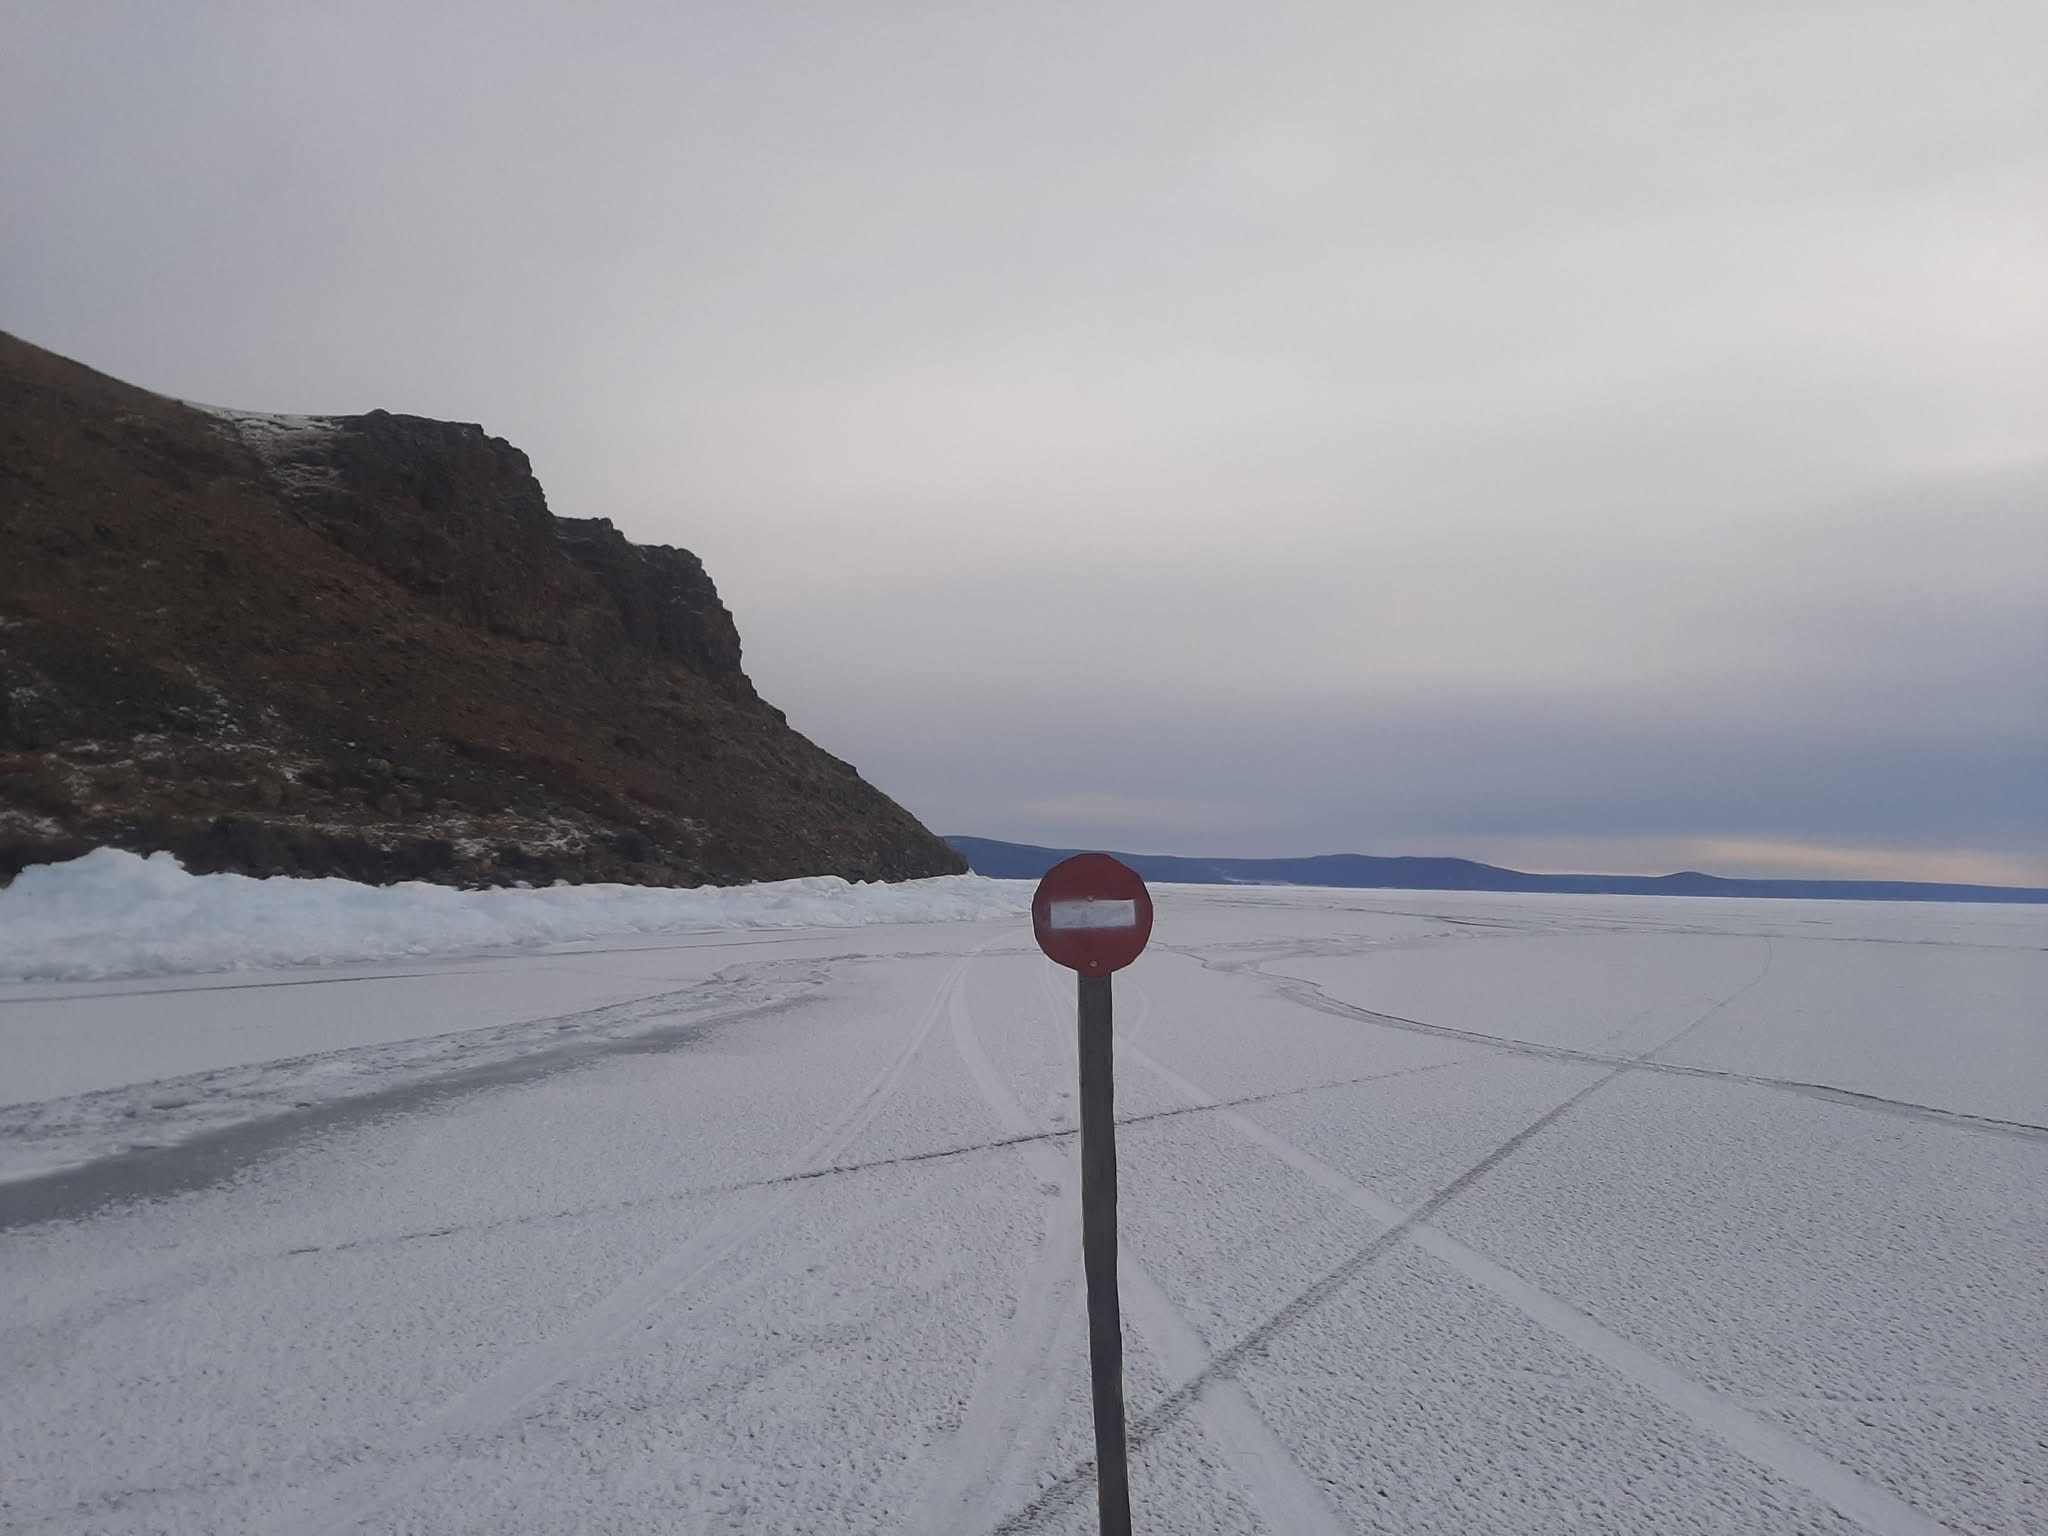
pixel 365 646
pixel 665 600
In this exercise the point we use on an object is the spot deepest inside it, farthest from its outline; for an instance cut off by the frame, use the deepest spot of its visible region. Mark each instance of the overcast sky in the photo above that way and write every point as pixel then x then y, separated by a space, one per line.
pixel 1593 436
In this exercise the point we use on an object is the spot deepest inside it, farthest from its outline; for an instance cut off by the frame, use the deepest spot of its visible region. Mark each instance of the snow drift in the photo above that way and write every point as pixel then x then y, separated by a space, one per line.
pixel 115 914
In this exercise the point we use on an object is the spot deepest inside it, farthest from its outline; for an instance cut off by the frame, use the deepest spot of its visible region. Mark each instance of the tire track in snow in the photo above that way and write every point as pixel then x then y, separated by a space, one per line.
pixel 1006 1410
pixel 431 1446
pixel 1063 1490
pixel 426 970
pixel 1867 1505
pixel 1334 1280
pixel 1308 994
pixel 1048 1387
pixel 1288 1500
pixel 713 1191
pixel 1016 1397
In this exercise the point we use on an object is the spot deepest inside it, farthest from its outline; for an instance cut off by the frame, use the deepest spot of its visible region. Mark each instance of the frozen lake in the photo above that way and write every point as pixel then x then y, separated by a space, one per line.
pixel 1443 1213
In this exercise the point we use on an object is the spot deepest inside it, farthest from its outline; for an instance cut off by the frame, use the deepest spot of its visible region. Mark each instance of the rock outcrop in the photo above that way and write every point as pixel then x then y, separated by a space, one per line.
pixel 363 645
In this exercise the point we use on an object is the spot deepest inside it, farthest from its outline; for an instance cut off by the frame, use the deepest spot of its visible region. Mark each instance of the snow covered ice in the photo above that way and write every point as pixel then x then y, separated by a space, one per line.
pixel 755 1211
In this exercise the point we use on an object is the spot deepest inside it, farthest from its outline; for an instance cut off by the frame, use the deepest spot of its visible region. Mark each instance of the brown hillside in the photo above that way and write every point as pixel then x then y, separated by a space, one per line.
pixel 362 645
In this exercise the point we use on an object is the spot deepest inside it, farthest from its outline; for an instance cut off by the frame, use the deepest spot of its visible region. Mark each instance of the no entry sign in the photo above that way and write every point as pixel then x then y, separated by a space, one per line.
pixel 1092 914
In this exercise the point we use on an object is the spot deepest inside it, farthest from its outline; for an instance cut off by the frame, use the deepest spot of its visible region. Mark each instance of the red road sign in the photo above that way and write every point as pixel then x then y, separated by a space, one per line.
pixel 1092 914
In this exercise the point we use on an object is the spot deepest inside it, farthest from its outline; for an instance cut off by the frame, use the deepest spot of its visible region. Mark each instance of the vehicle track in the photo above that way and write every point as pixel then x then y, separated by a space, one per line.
pixel 1287 1499
pixel 1007 1413
pixel 111 988
pixel 1869 1506
pixel 431 1446
pixel 1308 994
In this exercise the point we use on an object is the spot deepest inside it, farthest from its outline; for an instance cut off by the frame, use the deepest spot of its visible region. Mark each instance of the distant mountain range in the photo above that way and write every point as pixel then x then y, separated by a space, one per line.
pixel 1023 861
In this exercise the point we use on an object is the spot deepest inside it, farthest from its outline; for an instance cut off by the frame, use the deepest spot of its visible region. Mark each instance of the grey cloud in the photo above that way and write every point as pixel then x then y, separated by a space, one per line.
pixel 1417 779
pixel 1351 426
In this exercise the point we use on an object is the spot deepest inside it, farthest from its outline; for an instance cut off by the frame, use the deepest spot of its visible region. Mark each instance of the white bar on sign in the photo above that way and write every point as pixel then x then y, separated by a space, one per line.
pixel 1090 913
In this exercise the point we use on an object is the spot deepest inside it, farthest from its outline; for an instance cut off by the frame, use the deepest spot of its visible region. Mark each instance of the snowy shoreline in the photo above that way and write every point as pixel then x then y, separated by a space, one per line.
pixel 110 915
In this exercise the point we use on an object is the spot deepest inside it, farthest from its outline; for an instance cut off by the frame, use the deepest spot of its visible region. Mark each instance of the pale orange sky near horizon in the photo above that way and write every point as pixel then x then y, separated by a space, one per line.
pixel 1738 858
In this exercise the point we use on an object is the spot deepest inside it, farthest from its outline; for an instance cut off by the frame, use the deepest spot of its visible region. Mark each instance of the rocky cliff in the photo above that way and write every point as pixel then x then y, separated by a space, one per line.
pixel 363 645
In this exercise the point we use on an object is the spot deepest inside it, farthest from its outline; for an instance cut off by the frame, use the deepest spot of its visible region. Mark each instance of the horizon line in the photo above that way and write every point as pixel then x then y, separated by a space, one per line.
pixel 1539 874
